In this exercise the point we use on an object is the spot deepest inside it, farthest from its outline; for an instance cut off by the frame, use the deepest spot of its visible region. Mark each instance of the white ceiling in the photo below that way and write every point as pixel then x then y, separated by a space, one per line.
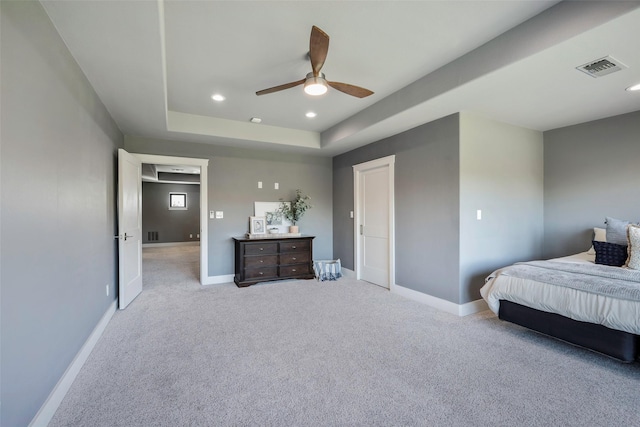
pixel 155 65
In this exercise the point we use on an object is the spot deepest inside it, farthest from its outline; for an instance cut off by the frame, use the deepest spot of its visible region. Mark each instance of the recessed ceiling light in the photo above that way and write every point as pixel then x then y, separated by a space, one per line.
pixel 217 97
pixel 634 88
pixel 311 114
pixel 255 120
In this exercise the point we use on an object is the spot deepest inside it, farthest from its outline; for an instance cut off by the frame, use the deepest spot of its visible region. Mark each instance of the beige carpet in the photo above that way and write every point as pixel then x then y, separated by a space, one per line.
pixel 344 353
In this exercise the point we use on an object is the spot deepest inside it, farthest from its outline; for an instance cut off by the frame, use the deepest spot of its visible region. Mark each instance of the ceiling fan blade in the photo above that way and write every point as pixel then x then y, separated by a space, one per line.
pixel 358 92
pixel 279 88
pixel 318 48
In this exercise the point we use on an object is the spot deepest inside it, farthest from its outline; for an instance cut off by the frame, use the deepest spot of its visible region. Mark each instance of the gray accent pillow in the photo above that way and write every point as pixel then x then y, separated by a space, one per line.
pixel 617 231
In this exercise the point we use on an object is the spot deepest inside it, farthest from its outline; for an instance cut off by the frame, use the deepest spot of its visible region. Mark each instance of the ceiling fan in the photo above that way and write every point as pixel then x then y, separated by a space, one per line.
pixel 315 82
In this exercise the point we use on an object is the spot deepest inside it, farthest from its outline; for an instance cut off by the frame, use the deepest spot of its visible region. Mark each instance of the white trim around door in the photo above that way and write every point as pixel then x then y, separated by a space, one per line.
pixel 204 201
pixel 384 162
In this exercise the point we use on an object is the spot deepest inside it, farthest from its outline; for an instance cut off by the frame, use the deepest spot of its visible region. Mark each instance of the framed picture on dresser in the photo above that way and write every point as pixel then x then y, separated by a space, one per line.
pixel 257 225
pixel 275 220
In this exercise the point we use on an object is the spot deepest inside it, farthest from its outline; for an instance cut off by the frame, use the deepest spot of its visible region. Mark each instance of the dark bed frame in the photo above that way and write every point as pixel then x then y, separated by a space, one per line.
pixel 623 346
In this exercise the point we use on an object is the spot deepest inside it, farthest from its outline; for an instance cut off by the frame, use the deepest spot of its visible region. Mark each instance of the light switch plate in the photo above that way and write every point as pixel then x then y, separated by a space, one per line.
pixel 219 214
pixel 212 214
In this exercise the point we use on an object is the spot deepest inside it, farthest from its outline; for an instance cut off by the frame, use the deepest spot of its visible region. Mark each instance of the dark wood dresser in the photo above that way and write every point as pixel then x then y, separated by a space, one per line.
pixel 261 260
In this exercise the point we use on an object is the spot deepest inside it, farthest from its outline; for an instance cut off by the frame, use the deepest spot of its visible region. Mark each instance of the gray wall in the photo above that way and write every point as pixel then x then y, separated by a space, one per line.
pixel 501 173
pixel 175 225
pixel 426 205
pixel 444 172
pixel 233 188
pixel 591 171
pixel 58 209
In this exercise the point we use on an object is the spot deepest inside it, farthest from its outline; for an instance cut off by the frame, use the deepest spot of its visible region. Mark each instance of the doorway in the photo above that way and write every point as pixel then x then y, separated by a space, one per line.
pixel 203 164
pixel 374 240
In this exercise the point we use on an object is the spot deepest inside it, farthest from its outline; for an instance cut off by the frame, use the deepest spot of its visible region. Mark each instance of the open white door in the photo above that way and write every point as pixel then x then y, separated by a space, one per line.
pixel 129 227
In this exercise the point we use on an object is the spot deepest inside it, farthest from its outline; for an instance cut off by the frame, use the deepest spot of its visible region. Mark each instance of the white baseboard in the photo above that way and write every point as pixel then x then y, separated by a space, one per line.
pixel 473 307
pixel 159 245
pixel 348 274
pixel 441 304
pixel 50 406
pixel 217 280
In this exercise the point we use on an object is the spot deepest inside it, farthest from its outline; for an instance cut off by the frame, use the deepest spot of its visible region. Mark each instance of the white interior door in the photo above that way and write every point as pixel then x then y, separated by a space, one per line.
pixel 129 227
pixel 375 222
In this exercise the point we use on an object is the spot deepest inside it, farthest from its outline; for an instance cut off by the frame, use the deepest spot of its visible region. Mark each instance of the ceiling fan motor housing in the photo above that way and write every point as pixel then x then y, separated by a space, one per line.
pixel 315 85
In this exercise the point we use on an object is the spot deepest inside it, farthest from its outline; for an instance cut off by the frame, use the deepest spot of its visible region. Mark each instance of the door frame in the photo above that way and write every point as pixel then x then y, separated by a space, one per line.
pixel 204 201
pixel 389 162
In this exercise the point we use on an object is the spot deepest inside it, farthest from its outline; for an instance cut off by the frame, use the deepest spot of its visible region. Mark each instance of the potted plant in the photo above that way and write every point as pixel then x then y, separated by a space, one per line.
pixel 294 210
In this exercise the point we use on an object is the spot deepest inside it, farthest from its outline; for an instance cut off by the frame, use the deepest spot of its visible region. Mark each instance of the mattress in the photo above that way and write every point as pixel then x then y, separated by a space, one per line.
pixel 619 314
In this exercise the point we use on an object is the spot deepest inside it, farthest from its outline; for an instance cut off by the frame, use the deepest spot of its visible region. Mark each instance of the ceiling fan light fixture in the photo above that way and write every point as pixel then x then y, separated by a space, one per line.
pixel 315 85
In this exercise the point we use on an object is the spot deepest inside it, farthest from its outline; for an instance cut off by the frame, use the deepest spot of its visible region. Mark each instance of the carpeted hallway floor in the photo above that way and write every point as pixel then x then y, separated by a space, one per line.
pixel 344 353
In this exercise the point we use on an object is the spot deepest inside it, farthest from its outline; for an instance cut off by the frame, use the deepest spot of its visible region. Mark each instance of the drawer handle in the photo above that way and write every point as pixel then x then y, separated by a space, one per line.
pixel 261 273
pixel 294 258
pixel 293 269
pixel 261 261
pixel 262 249
pixel 293 247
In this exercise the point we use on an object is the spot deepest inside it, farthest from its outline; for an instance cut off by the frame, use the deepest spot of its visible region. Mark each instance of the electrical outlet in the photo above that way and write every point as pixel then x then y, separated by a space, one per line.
pixel 276 186
pixel 191 236
pixel 197 236
pixel 107 289
pixel 259 184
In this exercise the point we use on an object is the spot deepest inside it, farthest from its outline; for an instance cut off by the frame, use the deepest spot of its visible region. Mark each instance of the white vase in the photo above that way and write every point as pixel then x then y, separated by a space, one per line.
pixel 293 229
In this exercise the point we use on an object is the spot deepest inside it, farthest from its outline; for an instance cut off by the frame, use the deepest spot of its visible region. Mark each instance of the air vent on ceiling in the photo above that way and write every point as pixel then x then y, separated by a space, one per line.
pixel 602 67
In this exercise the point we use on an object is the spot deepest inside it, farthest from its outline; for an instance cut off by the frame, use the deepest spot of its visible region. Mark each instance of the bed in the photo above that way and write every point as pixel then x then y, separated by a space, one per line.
pixel 574 299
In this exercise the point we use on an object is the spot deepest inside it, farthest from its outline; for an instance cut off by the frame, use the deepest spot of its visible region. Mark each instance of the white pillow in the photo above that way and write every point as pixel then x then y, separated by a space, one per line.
pixel 599 235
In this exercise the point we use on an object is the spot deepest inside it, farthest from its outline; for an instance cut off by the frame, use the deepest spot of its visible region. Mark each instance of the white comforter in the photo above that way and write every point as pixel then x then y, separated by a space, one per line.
pixel 579 305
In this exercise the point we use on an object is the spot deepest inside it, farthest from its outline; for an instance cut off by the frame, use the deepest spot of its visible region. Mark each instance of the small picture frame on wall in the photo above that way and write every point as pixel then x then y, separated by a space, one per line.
pixel 257 225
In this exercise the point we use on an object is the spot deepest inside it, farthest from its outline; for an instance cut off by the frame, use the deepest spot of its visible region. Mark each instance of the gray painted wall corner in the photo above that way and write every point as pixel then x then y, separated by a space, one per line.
pixel 501 174
pixel 590 172
pixel 426 205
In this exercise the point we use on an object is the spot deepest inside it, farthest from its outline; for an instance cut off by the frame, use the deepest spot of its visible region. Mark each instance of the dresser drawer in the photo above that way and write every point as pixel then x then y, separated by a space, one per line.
pixel 294 246
pixel 260 261
pixel 294 257
pixel 294 270
pixel 261 248
pixel 260 273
